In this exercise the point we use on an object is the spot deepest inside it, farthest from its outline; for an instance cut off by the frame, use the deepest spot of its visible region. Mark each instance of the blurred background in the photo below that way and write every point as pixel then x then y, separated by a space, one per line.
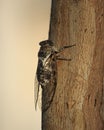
pixel 23 24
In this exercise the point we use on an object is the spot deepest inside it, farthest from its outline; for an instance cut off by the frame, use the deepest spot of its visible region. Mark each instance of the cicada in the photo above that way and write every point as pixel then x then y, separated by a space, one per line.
pixel 46 74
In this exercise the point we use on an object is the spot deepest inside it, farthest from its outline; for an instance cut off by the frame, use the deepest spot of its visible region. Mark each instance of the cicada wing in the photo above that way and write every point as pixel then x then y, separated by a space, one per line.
pixel 40 98
pixel 37 93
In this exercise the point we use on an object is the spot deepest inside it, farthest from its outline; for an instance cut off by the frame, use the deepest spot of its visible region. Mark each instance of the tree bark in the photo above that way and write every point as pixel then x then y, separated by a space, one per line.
pixel 78 103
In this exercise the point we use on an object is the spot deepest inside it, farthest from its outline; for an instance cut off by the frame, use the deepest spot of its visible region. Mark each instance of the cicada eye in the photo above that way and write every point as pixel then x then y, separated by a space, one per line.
pixel 42 43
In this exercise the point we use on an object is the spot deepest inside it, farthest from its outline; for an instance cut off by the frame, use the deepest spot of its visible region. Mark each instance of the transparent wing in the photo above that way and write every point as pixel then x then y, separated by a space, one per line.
pixel 37 94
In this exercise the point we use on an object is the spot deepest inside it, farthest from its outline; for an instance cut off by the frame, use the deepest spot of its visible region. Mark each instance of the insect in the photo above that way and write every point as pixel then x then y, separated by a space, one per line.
pixel 46 74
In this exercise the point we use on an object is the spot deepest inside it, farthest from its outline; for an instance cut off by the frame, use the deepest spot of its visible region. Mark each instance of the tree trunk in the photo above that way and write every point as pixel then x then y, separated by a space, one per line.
pixel 78 103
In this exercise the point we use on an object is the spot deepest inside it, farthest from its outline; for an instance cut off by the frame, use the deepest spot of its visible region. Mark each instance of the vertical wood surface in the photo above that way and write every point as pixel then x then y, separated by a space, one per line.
pixel 78 103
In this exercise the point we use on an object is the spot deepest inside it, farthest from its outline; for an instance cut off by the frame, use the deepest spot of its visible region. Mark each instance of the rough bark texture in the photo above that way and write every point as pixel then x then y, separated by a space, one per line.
pixel 79 99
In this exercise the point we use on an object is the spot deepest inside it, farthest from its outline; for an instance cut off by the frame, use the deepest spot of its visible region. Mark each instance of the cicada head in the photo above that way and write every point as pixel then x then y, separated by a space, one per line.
pixel 46 49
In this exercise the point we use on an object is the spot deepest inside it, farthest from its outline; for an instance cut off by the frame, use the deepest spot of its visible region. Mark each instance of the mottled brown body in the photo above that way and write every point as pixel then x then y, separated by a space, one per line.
pixel 47 71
